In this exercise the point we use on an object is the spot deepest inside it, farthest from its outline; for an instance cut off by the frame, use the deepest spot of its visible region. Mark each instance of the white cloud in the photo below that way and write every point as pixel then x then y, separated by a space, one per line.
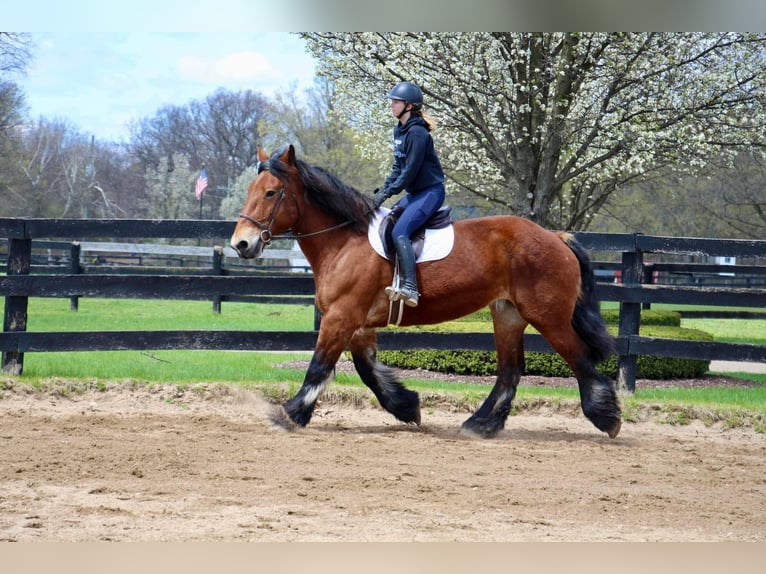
pixel 98 80
pixel 238 67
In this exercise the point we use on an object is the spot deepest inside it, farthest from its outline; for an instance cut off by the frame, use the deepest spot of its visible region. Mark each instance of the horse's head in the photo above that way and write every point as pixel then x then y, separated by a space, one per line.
pixel 265 212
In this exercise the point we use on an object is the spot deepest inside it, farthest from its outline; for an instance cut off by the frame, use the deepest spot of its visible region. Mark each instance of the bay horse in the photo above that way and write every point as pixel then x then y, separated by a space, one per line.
pixel 523 272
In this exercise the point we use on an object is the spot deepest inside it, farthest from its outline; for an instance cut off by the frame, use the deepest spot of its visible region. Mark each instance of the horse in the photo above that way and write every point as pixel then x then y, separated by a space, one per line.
pixel 524 273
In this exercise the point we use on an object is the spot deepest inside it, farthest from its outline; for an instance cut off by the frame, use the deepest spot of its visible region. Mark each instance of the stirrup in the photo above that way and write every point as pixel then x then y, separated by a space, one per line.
pixel 393 293
pixel 408 297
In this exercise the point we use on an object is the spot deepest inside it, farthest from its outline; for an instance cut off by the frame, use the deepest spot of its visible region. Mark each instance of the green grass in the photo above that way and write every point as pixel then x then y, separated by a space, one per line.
pixel 165 366
pixel 751 331
pixel 146 315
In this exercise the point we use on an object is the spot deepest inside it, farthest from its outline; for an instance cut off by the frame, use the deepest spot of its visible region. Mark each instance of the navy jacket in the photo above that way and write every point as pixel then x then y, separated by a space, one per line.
pixel 416 165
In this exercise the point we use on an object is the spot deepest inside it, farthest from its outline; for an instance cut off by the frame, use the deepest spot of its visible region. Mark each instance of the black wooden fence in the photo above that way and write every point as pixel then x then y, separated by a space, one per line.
pixel 221 284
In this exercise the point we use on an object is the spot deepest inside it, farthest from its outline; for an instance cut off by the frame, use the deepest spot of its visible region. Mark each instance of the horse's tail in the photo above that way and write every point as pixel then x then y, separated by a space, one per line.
pixel 586 319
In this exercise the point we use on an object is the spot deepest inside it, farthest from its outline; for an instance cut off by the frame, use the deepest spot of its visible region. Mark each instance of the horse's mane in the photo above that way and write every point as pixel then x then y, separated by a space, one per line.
pixel 326 191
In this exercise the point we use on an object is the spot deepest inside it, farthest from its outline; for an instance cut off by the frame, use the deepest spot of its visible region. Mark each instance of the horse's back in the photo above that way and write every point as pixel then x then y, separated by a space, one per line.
pixel 514 242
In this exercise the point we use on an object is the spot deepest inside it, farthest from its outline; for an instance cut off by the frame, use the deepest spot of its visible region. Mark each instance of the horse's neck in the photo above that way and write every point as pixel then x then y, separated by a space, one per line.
pixel 322 242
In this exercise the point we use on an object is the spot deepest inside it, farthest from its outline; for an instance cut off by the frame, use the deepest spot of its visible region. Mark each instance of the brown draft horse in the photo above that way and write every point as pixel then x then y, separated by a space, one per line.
pixel 524 273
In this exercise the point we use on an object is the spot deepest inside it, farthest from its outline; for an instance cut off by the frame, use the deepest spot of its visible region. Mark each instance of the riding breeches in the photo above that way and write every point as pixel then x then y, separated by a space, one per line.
pixel 417 210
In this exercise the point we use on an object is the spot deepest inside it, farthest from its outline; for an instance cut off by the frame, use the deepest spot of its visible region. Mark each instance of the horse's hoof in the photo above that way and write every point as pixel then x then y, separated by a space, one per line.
pixel 474 429
pixel 410 418
pixel 468 432
pixel 280 420
pixel 615 430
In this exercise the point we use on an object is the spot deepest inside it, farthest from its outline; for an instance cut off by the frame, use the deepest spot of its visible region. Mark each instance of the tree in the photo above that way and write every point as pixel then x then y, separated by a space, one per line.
pixel 743 198
pixel 232 204
pixel 54 170
pixel 318 126
pixel 550 125
pixel 220 132
pixel 14 52
pixel 170 189
pixel 14 57
pixel 11 108
pixel 720 201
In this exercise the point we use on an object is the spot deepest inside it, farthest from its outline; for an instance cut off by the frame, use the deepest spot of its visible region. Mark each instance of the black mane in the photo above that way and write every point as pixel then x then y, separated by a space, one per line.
pixel 326 191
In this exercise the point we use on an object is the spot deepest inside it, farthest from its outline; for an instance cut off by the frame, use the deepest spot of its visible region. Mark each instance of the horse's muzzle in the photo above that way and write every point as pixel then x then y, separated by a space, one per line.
pixel 247 249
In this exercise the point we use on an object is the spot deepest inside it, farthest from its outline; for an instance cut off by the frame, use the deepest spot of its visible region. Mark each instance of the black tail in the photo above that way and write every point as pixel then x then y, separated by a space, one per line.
pixel 587 320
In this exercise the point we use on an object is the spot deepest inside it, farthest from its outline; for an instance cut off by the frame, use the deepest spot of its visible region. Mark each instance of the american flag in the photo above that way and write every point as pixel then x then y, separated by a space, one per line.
pixel 201 184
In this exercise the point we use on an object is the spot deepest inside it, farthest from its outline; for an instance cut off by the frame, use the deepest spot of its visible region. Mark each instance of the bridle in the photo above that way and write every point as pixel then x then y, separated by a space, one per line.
pixel 266 235
pixel 265 227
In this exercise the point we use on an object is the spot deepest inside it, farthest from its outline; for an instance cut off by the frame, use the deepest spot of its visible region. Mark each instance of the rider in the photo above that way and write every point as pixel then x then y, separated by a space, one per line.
pixel 417 170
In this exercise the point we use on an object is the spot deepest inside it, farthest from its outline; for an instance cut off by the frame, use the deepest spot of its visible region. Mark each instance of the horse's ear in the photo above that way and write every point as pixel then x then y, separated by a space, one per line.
pixel 262 155
pixel 289 156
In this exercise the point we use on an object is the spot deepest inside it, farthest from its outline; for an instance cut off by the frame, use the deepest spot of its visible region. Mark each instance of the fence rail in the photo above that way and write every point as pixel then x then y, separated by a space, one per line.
pixel 23 280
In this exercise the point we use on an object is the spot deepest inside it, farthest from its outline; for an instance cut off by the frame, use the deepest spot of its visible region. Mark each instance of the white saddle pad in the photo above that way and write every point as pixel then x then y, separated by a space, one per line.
pixel 437 245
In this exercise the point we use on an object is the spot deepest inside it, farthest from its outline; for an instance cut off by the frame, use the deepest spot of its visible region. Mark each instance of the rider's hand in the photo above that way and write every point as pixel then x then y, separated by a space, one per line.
pixel 379 198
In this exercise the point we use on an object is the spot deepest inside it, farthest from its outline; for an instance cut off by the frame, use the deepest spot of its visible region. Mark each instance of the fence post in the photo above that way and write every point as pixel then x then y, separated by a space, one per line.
pixel 217 270
pixel 15 318
pixel 630 319
pixel 75 269
pixel 647 278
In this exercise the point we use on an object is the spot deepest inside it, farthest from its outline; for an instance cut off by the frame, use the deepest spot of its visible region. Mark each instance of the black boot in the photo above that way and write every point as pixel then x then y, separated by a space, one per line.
pixel 408 290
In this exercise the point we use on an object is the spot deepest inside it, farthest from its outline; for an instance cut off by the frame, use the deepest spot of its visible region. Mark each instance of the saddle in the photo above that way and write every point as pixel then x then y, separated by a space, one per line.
pixel 439 220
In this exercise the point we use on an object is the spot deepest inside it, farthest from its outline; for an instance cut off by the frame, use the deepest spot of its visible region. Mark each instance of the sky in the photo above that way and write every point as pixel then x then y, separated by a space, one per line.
pixel 98 82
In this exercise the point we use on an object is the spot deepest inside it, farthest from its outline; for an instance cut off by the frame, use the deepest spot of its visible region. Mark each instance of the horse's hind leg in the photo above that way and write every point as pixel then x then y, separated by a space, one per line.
pixel 401 402
pixel 598 396
pixel 509 326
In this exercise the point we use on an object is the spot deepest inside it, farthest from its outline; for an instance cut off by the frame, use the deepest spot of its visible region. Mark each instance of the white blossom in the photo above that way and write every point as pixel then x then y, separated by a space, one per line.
pixel 567 117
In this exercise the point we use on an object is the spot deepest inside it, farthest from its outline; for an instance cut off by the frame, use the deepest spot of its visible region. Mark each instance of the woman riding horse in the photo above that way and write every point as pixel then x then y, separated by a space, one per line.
pixel 524 273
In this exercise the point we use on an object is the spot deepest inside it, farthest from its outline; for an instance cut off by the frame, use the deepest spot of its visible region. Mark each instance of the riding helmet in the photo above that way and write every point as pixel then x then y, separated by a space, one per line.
pixel 408 92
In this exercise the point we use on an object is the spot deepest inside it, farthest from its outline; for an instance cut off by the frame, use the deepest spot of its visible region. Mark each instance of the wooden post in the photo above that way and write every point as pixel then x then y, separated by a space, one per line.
pixel 647 278
pixel 217 270
pixel 15 318
pixel 75 269
pixel 630 320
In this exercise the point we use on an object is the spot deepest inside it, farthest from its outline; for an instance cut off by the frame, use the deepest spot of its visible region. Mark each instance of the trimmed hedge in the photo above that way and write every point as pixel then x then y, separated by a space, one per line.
pixel 662 324
pixel 648 317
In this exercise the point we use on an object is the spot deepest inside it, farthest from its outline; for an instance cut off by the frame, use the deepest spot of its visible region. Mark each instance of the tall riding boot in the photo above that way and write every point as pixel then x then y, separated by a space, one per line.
pixel 408 290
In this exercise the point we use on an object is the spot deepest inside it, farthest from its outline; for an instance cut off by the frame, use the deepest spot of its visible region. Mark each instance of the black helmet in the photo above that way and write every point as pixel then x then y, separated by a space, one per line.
pixel 408 92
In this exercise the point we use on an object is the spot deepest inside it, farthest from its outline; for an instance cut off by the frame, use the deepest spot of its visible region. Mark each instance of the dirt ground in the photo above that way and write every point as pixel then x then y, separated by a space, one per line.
pixel 137 463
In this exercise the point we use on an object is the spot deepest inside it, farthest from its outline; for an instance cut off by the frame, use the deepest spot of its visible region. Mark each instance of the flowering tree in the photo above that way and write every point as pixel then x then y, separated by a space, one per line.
pixel 549 125
pixel 170 189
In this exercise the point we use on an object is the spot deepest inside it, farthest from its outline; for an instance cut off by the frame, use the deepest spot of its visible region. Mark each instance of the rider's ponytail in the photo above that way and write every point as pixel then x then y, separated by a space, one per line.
pixel 430 124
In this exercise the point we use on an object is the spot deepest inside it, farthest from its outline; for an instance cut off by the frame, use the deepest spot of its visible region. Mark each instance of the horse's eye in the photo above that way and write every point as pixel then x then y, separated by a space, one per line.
pixel 270 193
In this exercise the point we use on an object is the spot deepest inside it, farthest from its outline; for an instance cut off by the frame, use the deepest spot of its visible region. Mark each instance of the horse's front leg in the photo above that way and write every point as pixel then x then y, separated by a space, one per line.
pixel 334 334
pixel 401 402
